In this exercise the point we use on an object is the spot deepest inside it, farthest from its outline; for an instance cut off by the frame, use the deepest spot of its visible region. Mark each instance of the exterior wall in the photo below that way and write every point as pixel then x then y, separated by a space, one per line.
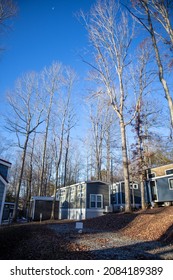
pixel 2 198
pixel 4 166
pixel 101 189
pixel 72 214
pixel 43 207
pixel 98 188
pixel 8 211
pixel 159 171
pixel 159 189
pixel 73 202
pixel 92 213
pixel 118 195
pixel 157 184
pixel 163 190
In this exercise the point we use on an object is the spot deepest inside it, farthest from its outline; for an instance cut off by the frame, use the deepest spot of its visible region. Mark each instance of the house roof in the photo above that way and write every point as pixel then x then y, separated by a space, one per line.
pixel 84 182
pixel 4 162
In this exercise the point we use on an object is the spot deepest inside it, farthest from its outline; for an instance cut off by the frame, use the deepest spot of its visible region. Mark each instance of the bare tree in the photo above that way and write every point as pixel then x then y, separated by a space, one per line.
pixel 24 119
pixel 101 119
pixel 8 10
pixel 110 32
pixel 142 76
pixel 160 11
pixel 51 78
pixel 67 85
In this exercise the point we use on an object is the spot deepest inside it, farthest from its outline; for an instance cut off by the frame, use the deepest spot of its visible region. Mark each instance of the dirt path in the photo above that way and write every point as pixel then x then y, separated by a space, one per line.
pixel 111 245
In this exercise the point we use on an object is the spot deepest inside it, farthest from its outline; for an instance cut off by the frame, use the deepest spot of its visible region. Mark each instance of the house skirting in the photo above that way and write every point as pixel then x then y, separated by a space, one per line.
pixel 80 213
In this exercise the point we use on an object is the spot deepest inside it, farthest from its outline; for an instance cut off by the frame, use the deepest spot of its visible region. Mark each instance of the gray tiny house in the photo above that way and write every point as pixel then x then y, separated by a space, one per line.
pixel 159 185
pixel 41 208
pixel 117 191
pixel 4 168
pixel 83 200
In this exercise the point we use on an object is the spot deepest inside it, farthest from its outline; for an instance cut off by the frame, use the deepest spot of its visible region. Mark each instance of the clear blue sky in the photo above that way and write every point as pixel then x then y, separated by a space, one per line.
pixel 42 32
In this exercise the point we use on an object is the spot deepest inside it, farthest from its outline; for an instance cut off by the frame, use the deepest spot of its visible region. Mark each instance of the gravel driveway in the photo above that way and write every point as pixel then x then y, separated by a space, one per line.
pixel 111 245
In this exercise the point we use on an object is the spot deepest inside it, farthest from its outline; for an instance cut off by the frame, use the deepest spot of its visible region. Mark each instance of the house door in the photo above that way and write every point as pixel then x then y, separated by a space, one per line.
pixel 153 190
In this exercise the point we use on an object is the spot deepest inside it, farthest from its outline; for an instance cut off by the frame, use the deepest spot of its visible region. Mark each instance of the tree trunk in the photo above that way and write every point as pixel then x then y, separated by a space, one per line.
pixel 125 167
pixel 20 180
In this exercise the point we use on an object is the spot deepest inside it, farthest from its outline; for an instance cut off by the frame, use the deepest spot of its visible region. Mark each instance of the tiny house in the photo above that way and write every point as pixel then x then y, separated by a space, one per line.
pixel 41 208
pixel 118 195
pixel 84 200
pixel 4 168
pixel 159 185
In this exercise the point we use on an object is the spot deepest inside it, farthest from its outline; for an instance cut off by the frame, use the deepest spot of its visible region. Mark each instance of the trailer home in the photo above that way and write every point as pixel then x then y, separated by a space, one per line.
pixel 84 200
pixel 159 185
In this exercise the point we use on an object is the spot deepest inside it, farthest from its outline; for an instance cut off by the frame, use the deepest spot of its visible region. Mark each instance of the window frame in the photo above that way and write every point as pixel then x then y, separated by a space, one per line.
pixel 95 201
pixel 170 187
pixel 169 170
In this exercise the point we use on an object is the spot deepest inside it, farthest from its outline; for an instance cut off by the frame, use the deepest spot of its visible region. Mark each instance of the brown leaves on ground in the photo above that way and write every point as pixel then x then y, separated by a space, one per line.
pixel 40 241
pixel 150 224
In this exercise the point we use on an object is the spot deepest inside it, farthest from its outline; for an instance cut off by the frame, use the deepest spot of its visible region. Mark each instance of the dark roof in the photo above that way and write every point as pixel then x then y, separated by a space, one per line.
pixel 5 161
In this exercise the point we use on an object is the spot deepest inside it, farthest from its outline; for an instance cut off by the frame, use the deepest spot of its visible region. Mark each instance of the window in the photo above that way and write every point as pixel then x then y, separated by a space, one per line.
pixel 80 187
pixel 171 184
pixel 169 171
pixel 96 201
pixel 134 186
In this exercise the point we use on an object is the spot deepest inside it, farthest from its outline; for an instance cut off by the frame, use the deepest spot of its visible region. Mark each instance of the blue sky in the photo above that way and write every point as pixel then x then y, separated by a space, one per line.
pixel 42 32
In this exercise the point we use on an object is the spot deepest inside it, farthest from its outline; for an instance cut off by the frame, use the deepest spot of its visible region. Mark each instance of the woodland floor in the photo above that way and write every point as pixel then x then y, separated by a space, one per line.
pixel 140 235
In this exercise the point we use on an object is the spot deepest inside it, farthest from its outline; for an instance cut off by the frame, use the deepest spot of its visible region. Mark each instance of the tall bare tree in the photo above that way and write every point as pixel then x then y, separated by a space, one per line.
pixel 51 78
pixel 24 118
pixel 142 76
pixel 66 90
pixel 110 32
pixel 155 11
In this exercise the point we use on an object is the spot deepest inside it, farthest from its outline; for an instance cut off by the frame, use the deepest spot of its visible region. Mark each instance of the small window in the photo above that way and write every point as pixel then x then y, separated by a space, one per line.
pixel 169 171
pixel 80 195
pixel 99 201
pixel 93 201
pixel 171 184
pixel 96 201
pixel 134 186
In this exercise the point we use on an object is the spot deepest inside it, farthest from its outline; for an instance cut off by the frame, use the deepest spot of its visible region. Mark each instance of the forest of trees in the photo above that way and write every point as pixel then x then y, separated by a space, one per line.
pixel 127 109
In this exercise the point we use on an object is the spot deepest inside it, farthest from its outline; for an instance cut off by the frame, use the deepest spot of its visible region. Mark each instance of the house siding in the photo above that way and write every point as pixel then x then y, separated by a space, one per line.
pixel 160 170
pixel 98 188
pixel 75 200
pixel 118 196
pixel 163 191
pixel 43 207
pixel 2 189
